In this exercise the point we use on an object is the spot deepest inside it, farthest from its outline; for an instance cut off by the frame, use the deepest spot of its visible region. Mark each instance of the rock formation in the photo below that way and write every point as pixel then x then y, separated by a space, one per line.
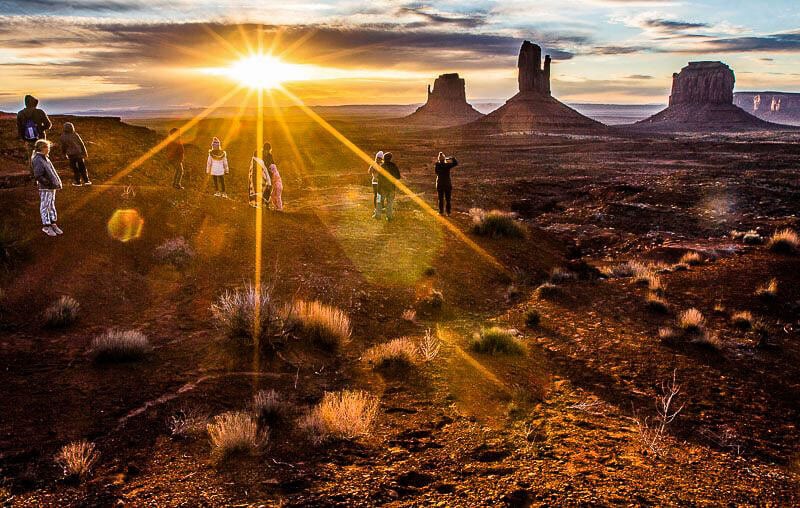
pixel 702 100
pixel 780 107
pixel 447 104
pixel 533 109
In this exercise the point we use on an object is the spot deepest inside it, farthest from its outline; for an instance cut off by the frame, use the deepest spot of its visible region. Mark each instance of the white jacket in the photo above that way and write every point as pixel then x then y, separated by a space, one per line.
pixel 217 166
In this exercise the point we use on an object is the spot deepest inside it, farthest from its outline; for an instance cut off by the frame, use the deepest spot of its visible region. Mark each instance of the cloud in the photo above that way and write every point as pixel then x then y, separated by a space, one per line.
pixel 670 26
pixel 31 7
pixel 781 42
pixel 617 50
pixel 639 76
pixel 435 17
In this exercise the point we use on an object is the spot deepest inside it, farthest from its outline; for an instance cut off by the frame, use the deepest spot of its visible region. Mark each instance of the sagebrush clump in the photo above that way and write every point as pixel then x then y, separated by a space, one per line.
pixel 742 320
pixel 496 340
pixel 62 313
pixel 321 325
pixel 176 251
pixel 271 408
pixel 691 258
pixel 656 303
pixel 785 241
pixel 347 415
pixel 691 321
pixel 120 346
pixel 767 290
pixel 235 312
pixel 532 318
pixel 233 433
pixel 547 290
pixel 495 224
pixel 395 355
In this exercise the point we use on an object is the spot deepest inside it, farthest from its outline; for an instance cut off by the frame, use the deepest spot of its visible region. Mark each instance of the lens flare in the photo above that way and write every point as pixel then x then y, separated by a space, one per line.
pixel 125 225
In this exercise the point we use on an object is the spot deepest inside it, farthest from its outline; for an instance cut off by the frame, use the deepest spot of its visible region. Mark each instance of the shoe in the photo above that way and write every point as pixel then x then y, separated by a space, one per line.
pixel 87 182
pixel 75 184
pixel 57 229
pixel 224 195
pixel 217 194
pixel 49 231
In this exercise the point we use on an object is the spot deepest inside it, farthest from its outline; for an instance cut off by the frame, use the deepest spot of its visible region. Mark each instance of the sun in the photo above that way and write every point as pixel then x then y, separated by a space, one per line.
pixel 265 72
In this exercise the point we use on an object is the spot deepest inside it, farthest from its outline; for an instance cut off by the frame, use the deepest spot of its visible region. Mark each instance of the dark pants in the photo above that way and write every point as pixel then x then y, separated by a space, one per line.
pixel 219 183
pixel 178 175
pixel 79 172
pixel 445 191
pixel 374 195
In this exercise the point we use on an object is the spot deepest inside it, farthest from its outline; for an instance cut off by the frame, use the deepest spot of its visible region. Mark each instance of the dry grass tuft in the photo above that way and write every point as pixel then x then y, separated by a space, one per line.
pixel 785 241
pixel 719 309
pixel 547 290
pixel 742 320
pixel 433 302
pixel 348 415
pixel 558 275
pixel 323 326
pixel 495 224
pixel 61 313
pixel 752 238
pixel 656 303
pixel 395 355
pixel 235 311
pixel 496 340
pixel 409 315
pixel 691 258
pixel 768 290
pixel 176 251
pixel 271 408
pixel 691 321
pixel 77 458
pixel 667 334
pixel 120 346
pixel 188 423
pixel 627 269
pixel 429 346
pixel 532 318
pixel 233 433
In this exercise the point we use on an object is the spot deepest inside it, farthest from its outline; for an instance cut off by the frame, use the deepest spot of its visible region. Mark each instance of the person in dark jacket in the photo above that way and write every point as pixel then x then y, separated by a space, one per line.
pixel 444 185
pixel 175 152
pixel 373 173
pixel 75 151
pixel 387 187
pixel 48 181
pixel 32 124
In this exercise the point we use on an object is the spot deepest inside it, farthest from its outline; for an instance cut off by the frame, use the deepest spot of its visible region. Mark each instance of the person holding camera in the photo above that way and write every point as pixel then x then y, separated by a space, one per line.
pixel 444 185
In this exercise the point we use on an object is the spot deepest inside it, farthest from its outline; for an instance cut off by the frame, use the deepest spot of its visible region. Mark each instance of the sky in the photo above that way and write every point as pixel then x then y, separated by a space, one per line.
pixel 160 54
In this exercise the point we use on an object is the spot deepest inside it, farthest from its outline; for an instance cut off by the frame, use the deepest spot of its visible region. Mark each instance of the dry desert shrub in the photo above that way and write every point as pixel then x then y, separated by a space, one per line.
pixel 654 430
pixel 656 303
pixel 495 224
pixel 120 346
pixel 395 355
pixel 235 312
pixel 691 321
pixel 558 275
pixel 496 340
pixel 691 258
pixel 235 432
pixel 271 407
pixel 61 313
pixel 666 334
pixel 348 415
pixel 627 269
pixel 321 325
pixel 547 290
pixel 752 238
pixel 768 290
pixel 77 458
pixel 187 423
pixel 532 318
pixel 176 251
pixel 409 315
pixel 429 346
pixel 785 241
pixel 742 320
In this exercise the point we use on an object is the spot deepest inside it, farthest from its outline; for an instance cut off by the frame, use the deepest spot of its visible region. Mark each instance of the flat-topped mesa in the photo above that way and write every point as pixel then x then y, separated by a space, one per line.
pixel 447 103
pixel 532 77
pixel 703 83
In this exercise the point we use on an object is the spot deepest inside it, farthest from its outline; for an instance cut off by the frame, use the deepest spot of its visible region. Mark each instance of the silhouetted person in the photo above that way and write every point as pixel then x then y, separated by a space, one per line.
pixel 444 185
pixel 75 151
pixel 32 124
pixel 259 168
pixel 373 172
pixel 175 152
pixel 387 187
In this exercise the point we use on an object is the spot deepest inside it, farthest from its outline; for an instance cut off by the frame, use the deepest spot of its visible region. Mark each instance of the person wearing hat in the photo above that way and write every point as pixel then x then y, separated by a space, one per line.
pixel 217 167
pixel 74 150
pixel 373 172
pixel 387 187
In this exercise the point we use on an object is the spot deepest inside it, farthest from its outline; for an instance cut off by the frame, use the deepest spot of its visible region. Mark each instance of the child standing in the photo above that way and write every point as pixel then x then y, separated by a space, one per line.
pixel 48 181
pixel 275 198
pixel 73 148
pixel 259 169
pixel 217 167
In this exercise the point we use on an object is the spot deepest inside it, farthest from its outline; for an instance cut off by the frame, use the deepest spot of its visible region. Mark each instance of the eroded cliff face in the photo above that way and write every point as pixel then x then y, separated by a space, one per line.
pixel 532 77
pixel 781 107
pixel 703 83
pixel 447 103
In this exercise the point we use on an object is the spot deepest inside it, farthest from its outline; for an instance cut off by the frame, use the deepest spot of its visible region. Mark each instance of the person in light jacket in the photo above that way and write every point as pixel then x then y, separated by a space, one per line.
pixel 275 196
pixel 217 167
pixel 49 182
pixel 75 151
pixel 373 172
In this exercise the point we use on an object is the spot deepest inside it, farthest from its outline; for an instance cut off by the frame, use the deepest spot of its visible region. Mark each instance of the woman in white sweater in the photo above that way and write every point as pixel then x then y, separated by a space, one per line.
pixel 217 167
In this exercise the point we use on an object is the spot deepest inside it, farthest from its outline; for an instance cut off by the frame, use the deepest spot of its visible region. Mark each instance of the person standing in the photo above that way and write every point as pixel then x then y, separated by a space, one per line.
pixel 387 187
pixel 444 185
pixel 259 168
pixel 373 172
pixel 275 195
pixel 32 125
pixel 75 151
pixel 217 167
pixel 48 181
pixel 175 153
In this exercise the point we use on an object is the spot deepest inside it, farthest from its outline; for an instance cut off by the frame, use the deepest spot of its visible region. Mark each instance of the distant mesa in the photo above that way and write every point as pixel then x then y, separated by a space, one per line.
pixel 447 104
pixel 702 100
pixel 779 107
pixel 534 109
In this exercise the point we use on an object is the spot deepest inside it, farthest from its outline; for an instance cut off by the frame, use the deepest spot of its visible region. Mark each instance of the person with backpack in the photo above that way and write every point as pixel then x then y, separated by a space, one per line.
pixel 373 173
pixel 217 167
pixel 48 181
pixel 175 153
pixel 387 187
pixel 444 185
pixel 32 124
pixel 259 168
pixel 75 151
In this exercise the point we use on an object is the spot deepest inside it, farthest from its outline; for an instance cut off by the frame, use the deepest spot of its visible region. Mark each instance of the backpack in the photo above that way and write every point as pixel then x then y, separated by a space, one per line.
pixel 30 131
